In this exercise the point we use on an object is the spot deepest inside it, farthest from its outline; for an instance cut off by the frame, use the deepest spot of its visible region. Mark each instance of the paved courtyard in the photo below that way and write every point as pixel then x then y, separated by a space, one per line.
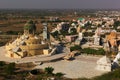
pixel 82 66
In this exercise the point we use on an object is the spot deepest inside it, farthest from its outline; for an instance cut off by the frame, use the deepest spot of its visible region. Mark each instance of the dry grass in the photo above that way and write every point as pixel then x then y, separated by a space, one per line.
pixel 17 25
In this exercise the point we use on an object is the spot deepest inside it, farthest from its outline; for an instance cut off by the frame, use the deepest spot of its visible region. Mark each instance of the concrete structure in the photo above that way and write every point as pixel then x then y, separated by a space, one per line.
pixel 29 44
pixel 97 36
pixel 45 32
pixel 26 45
pixel 71 38
pixel 104 64
pixel 96 40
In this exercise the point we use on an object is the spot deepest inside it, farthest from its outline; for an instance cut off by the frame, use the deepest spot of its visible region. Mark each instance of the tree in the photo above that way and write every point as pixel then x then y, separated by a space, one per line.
pixel 30 26
pixel 2 63
pixel 49 70
pixel 55 34
pixel 73 31
pixel 116 24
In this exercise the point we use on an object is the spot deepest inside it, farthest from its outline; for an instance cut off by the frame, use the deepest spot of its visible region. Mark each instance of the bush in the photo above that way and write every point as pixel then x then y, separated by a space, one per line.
pixel 55 34
pixel 49 70
pixel 34 72
pixel 10 68
pixel 59 74
pixel 63 32
pixel 2 63
pixel 76 47
pixel 89 51
pixel 12 32
pixel 73 31
pixel 2 43
pixel 100 51
pixel 94 51
pixel 39 77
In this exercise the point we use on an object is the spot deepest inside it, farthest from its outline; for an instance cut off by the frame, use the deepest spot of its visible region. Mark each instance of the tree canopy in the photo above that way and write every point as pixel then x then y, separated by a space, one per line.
pixel 30 25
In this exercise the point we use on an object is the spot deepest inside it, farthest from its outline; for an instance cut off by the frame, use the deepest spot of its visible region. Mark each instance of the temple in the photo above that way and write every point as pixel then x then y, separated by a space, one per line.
pixel 28 44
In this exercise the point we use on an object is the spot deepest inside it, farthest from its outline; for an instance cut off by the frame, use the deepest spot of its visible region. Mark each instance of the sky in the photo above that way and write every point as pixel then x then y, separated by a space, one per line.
pixel 60 4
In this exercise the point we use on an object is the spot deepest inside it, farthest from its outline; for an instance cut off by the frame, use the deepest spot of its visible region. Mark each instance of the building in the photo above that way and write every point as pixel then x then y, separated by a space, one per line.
pixel 28 44
pixel 45 32
pixel 71 38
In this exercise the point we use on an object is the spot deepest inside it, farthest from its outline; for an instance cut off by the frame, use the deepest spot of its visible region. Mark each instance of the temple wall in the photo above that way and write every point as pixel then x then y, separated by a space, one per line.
pixel 35 52
pixel 46 51
pixel 38 46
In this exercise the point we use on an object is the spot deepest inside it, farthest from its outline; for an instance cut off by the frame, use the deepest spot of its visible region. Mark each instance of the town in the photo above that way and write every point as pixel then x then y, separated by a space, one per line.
pixel 74 43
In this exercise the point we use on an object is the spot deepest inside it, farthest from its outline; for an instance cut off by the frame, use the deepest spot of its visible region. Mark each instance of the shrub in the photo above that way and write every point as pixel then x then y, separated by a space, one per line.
pixel 119 61
pixel 88 50
pixel 2 43
pixel 100 51
pixel 55 34
pixel 76 47
pixel 2 63
pixel 64 32
pixel 94 51
pixel 73 31
pixel 59 74
pixel 10 68
pixel 39 77
pixel 12 32
pixel 49 70
pixel 34 72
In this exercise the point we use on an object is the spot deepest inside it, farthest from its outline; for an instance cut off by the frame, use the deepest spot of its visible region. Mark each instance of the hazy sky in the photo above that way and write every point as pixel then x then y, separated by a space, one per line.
pixel 38 4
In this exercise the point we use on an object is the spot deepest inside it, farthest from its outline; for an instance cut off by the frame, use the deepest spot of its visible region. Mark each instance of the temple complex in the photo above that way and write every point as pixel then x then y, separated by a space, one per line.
pixel 28 44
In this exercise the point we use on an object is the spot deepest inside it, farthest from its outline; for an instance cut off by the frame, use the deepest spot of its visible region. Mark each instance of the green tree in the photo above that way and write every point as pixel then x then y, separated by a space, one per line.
pixel 2 63
pixel 73 31
pixel 30 26
pixel 55 34
pixel 49 70
pixel 116 24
